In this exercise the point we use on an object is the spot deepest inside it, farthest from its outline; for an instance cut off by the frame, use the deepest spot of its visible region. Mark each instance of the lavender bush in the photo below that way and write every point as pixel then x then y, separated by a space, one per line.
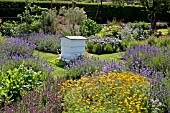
pixel 92 65
pixel 153 62
pixel 46 42
pixel 144 56
pixel 16 48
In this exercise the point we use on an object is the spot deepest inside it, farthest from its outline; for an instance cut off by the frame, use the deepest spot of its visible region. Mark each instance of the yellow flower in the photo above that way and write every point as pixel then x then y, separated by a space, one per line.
pixel 138 91
pixel 130 110
pixel 102 108
pixel 139 99
pixel 119 108
pixel 138 107
pixel 145 98
pixel 99 104
pixel 120 103
pixel 115 71
pixel 87 101
pixel 79 101
pixel 78 92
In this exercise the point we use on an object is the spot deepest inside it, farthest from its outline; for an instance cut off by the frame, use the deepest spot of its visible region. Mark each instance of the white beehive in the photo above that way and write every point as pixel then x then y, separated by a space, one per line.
pixel 72 47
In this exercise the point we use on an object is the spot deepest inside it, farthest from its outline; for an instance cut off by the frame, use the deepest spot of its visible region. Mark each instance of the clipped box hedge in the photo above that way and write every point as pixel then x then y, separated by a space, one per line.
pixel 129 13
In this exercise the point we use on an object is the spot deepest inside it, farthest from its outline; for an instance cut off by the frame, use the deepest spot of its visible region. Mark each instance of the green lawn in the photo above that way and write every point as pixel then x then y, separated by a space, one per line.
pixel 109 57
pixel 59 72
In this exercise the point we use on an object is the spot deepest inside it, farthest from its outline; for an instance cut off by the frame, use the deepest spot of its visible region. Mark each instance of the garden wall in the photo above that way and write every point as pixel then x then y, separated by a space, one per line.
pixel 128 13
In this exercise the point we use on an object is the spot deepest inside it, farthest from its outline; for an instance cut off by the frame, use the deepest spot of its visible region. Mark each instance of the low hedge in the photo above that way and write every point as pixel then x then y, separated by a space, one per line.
pixel 105 45
pixel 125 13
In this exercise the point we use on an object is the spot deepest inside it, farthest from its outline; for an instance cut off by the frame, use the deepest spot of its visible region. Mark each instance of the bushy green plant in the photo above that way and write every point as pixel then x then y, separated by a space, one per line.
pixel 152 41
pixel 90 46
pixel 108 48
pixel 69 30
pixel 29 19
pixel 60 63
pixel 124 45
pixel 96 44
pixel 130 32
pixel 97 48
pixel 23 28
pixel 9 28
pixel 74 15
pixel 2 39
pixel 168 31
pixel 15 81
pixel 48 22
pixel 136 43
pixel 70 21
pixel 165 42
pixel 142 25
pixel 110 30
pixel 90 27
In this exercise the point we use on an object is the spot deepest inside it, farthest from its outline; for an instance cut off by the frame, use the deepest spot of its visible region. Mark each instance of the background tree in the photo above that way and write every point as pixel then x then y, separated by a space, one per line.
pixel 155 7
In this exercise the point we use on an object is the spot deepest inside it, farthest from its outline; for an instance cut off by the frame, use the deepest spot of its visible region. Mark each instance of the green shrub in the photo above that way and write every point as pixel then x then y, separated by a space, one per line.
pixel 2 39
pixel 48 22
pixel 60 63
pixel 23 28
pixel 110 30
pixel 112 45
pixel 124 45
pixel 29 19
pixel 152 41
pixel 168 31
pixel 165 43
pixel 108 48
pixel 9 28
pixel 16 81
pixel 143 25
pixel 74 15
pixel 90 27
pixel 90 46
pixel 97 48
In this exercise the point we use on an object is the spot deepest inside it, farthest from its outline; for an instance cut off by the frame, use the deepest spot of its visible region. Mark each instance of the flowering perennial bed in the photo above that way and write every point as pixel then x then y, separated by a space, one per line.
pixel 115 92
